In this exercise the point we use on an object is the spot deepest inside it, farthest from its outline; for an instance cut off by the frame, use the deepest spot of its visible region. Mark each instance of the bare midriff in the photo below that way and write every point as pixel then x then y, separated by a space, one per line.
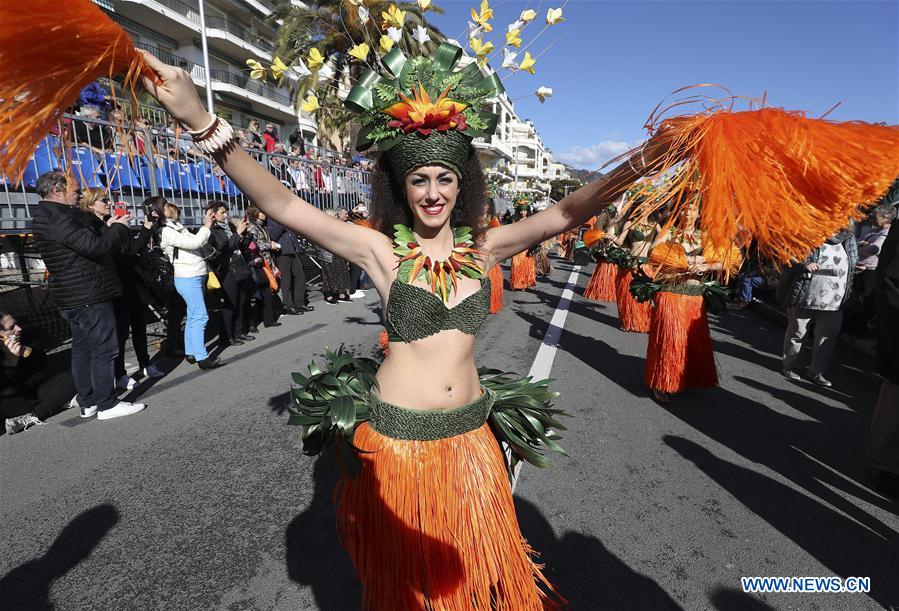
pixel 436 372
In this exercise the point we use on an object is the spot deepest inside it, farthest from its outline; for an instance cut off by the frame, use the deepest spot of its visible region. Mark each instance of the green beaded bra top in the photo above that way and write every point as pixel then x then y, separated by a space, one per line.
pixel 414 312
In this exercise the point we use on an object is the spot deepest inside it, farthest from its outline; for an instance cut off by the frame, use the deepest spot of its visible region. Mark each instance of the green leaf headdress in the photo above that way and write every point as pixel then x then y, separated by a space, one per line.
pixel 423 111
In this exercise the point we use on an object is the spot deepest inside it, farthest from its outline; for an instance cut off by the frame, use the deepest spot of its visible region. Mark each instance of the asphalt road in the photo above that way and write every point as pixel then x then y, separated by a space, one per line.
pixel 205 501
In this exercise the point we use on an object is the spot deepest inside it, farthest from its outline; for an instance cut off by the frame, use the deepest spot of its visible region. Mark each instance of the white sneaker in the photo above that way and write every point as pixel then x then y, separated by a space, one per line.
pixel 122 408
pixel 151 371
pixel 126 382
pixel 357 294
pixel 21 423
pixel 87 412
pixel 73 402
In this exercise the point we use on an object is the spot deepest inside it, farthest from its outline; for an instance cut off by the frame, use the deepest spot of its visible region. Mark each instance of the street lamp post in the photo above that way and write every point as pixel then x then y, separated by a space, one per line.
pixel 206 58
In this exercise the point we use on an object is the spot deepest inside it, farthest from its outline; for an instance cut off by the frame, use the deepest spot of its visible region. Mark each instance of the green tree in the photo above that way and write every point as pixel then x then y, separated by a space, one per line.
pixel 557 187
pixel 333 27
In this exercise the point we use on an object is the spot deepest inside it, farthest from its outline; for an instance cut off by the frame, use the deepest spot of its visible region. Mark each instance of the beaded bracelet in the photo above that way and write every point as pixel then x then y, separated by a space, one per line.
pixel 213 137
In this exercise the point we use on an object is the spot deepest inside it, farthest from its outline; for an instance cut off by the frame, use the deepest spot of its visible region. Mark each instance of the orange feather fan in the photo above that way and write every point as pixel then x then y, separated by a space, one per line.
pixel 593 236
pixel 51 50
pixel 786 180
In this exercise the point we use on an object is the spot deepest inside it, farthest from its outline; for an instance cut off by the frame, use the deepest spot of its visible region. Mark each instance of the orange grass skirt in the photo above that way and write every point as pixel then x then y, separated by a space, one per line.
pixel 431 525
pixel 632 315
pixel 602 283
pixel 524 274
pixel 496 288
pixel 679 355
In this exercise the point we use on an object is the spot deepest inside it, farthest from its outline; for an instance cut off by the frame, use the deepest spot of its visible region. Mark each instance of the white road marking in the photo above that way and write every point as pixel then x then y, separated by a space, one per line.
pixel 543 362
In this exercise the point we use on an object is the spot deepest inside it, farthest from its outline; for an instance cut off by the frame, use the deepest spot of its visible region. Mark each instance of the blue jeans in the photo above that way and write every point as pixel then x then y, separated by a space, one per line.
pixel 746 284
pixel 191 291
pixel 94 349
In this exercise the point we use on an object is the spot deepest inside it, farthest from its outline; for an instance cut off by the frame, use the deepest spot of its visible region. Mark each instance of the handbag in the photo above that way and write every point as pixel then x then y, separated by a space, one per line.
pixel 212 281
pixel 239 267
pixel 270 275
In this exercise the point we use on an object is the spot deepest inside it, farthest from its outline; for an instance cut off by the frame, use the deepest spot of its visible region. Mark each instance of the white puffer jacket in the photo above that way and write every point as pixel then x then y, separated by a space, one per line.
pixel 188 263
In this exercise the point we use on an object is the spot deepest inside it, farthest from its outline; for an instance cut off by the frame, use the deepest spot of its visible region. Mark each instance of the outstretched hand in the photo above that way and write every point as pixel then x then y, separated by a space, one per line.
pixel 175 91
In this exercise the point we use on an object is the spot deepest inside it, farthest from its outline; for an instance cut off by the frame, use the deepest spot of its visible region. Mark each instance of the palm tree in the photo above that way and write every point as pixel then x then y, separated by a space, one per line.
pixel 332 27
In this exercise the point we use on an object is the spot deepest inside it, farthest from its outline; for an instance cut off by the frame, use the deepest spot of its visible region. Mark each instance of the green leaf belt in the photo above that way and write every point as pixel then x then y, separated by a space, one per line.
pixel 428 425
pixel 330 401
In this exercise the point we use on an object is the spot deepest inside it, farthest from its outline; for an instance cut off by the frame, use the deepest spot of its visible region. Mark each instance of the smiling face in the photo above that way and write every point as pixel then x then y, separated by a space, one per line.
pixel 431 193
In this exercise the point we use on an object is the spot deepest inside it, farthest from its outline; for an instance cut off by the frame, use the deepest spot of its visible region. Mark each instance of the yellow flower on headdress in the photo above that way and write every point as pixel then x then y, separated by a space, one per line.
pixel 257 70
pixel 527 15
pixel 278 67
pixel 527 63
pixel 310 104
pixel 385 44
pixel 424 5
pixel 394 17
pixel 485 15
pixel 315 59
pixel 481 49
pixel 360 51
pixel 554 16
pixel 513 38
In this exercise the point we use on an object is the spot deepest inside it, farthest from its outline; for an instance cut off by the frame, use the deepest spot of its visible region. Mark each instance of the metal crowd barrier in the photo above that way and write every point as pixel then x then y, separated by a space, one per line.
pixel 135 163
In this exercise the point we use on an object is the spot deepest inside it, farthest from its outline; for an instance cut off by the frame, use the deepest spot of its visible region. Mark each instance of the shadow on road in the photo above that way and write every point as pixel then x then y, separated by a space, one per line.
pixel 839 543
pixel 584 571
pixel 27 586
pixel 314 555
pixel 728 599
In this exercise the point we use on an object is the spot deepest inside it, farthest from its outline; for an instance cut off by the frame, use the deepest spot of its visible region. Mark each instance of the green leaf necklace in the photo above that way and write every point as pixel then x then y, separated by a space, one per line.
pixel 440 275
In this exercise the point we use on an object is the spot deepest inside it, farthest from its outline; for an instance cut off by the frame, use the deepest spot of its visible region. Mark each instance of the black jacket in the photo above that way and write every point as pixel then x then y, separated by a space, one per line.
pixel 126 260
pixel 78 259
pixel 226 247
pixel 288 239
pixel 795 281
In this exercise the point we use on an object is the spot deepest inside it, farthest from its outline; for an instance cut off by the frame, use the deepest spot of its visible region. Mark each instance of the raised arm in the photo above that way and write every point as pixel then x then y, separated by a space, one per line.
pixel 508 240
pixel 352 242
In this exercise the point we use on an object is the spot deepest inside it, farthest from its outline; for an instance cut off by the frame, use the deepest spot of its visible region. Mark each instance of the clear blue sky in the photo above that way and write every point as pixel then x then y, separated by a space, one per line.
pixel 618 59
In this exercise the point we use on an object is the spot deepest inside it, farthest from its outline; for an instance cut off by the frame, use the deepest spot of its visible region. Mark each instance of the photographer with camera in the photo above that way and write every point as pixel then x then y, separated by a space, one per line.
pixel 233 272
pixel 185 251
pixel 130 311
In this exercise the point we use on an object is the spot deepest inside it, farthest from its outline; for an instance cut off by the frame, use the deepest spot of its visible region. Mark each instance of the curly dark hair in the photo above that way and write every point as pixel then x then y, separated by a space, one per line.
pixel 388 199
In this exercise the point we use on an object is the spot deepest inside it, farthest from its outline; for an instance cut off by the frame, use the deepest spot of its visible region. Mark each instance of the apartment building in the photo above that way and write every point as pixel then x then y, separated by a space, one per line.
pixel 236 30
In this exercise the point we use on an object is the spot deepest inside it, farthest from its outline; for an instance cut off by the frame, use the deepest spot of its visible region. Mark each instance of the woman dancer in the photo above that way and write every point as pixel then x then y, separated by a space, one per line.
pixel 523 274
pixel 636 236
pixel 429 522
pixel 679 354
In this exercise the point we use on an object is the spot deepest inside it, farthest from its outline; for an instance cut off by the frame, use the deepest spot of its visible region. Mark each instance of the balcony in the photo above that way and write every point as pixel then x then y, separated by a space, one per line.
pixel 494 146
pixel 262 97
pixel 176 18
pixel 196 71
pixel 235 39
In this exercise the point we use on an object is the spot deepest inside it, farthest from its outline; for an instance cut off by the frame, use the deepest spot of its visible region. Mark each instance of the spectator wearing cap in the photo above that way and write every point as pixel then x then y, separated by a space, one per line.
pixel 83 283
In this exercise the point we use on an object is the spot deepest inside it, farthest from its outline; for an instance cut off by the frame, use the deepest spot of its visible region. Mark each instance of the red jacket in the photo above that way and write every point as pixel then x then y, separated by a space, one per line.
pixel 270 142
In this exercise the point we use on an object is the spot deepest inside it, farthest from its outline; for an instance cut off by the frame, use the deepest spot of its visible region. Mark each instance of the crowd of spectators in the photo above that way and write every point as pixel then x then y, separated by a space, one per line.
pixel 238 272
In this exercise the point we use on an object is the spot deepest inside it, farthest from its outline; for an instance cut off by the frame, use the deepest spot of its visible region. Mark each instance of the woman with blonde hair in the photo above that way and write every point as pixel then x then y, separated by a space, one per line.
pixel 130 312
